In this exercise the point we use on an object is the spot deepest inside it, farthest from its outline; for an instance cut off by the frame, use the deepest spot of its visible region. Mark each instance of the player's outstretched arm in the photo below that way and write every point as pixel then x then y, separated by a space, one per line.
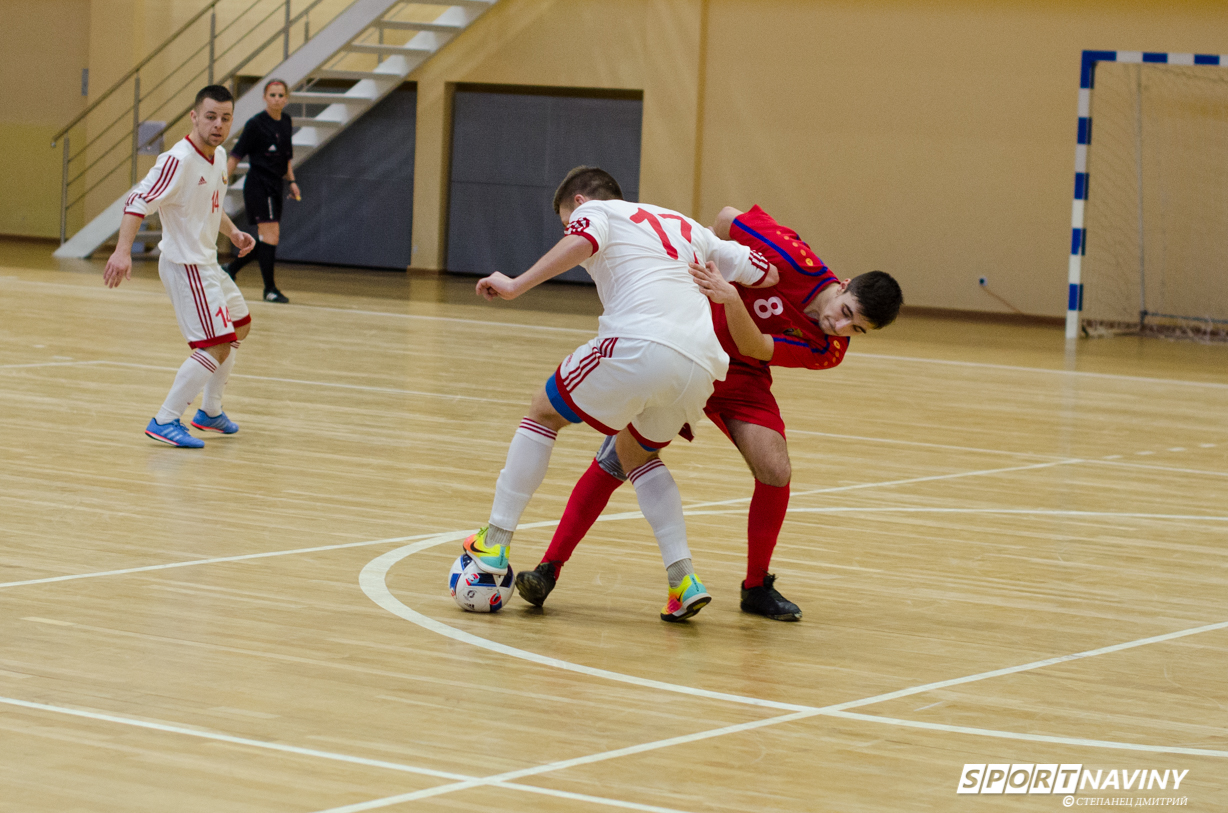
pixel 567 253
pixel 119 264
pixel 746 334
pixel 243 241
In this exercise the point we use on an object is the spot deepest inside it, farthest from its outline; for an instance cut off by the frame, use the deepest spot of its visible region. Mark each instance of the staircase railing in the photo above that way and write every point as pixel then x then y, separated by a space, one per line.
pixel 94 164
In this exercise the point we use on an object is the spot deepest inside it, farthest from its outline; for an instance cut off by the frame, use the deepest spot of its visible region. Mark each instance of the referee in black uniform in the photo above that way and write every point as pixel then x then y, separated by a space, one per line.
pixel 265 142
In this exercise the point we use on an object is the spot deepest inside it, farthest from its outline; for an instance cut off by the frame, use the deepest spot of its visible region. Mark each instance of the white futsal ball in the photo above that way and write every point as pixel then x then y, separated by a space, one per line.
pixel 476 590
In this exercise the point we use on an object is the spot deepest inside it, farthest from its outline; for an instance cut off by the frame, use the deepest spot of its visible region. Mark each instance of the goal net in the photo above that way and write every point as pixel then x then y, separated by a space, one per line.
pixel 1156 216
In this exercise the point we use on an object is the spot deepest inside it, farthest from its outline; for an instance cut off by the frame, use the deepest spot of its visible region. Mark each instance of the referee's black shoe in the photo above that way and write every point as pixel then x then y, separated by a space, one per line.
pixel 766 600
pixel 274 295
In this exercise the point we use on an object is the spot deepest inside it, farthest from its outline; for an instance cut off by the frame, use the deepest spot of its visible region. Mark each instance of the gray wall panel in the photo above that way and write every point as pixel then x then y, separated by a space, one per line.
pixel 509 152
pixel 358 192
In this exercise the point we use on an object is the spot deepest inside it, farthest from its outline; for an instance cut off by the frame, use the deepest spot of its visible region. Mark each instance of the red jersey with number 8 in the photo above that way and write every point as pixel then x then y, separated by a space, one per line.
pixel 780 311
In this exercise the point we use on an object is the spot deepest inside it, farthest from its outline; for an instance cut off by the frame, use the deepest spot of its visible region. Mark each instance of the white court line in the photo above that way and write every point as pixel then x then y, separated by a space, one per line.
pixel 571 763
pixel 41 364
pixel 372 580
pixel 857 355
pixel 1159 468
pixel 460 781
pixel 484 323
pixel 213 561
pixel 1010 735
pixel 793 431
pixel 1041 512
pixel 911 480
pixel 606 518
pixel 211 735
pixel 363 387
pixel 1014 368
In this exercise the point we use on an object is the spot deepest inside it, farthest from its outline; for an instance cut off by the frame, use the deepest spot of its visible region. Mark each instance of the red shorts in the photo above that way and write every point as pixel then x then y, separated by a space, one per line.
pixel 745 395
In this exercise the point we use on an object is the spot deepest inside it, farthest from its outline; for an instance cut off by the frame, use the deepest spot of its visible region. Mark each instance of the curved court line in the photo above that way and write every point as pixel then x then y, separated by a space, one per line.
pixel 372 581
pixel 214 560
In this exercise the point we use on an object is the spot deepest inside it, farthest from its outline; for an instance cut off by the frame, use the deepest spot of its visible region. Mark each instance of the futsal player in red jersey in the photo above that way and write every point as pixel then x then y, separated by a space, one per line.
pixel 805 321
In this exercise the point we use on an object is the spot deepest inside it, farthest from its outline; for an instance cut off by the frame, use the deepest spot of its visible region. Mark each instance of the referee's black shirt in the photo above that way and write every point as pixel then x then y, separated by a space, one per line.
pixel 265 143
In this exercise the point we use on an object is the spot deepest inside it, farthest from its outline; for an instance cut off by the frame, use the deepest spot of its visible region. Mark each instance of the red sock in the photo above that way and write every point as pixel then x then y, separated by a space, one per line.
pixel 767 514
pixel 588 499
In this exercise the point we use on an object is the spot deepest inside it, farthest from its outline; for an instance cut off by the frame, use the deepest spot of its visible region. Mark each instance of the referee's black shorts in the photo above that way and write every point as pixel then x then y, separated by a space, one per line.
pixel 262 196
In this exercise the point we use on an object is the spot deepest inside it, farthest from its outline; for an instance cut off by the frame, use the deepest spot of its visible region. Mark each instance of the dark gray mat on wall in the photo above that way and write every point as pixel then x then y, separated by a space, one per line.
pixel 509 152
pixel 358 192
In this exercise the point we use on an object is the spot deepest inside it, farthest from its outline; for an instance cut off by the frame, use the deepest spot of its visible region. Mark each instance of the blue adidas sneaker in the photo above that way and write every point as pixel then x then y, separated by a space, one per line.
pixel 172 433
pixel 217 423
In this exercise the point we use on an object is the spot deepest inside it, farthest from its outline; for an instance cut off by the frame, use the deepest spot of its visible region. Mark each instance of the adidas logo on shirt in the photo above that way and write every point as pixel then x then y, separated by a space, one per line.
pixel 202 181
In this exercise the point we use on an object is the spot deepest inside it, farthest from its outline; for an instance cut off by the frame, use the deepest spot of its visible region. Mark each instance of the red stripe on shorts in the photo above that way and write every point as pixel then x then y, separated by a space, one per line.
pixel 202 301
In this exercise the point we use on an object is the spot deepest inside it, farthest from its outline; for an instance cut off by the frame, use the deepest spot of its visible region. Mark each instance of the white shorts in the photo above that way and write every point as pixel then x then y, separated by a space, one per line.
pixel 207 302
pixel 649 388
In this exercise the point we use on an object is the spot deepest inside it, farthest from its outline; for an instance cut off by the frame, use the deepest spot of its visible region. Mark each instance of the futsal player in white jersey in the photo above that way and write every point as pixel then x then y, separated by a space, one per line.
pixel 646 375
pixel 186 187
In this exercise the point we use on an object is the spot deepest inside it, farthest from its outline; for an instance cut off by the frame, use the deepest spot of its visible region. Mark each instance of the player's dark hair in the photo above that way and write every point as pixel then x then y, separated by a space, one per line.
pixel 272 82
pixel 591 182
pixel 879 295
pixel 217 93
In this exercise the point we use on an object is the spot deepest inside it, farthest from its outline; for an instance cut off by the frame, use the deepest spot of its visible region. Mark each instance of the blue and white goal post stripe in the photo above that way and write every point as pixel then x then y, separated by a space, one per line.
pixel 1087 78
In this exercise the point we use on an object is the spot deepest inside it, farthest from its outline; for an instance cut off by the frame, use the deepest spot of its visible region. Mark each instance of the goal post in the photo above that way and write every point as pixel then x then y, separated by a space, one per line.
pixel 1157 212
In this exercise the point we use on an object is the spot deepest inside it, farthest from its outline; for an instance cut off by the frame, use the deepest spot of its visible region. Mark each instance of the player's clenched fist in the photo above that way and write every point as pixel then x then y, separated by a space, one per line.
pixel 119 268
pixel 714 286
pixel 497 286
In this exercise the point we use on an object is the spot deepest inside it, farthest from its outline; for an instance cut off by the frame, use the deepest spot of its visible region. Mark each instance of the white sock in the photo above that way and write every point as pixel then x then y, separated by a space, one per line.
pixel 211 401
pixel 661 504
pixel 193 374
pixel 527 459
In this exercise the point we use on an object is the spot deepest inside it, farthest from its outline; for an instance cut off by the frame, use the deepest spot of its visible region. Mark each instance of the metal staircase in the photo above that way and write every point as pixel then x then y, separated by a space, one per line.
pixel 326 58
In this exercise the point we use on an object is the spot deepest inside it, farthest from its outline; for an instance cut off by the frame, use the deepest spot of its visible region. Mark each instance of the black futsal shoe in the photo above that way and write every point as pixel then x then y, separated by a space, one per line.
pixel 766 600
pixel 534 585
pixel 274 295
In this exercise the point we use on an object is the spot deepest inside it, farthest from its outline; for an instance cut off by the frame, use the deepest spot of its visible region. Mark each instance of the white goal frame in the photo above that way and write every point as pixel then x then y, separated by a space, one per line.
pixel 1087 78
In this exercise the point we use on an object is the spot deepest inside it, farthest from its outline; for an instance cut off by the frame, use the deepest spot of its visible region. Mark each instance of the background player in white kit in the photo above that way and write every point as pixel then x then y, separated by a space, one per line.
pixel 648 372
pixel 186 186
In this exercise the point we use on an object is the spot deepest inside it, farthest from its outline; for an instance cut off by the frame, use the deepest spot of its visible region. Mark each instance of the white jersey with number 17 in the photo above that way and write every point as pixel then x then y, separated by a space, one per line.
pixel 639 262
pixel 187 189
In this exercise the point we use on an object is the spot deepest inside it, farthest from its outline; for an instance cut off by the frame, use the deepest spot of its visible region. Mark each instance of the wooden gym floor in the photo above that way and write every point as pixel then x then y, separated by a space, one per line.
pixel 1004 555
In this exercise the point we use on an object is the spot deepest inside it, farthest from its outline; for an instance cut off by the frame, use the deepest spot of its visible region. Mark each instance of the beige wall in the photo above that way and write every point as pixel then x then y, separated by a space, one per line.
pixel 648 45
pixel 933 139
pixel 40 90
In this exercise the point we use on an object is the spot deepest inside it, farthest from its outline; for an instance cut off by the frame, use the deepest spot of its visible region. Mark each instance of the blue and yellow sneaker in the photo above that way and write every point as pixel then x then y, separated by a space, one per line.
pixel 173 434
pixel 489 558
pixel 686 599
pixel 215 423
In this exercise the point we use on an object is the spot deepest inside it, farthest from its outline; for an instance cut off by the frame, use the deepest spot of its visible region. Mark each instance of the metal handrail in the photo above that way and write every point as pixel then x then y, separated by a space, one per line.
pixel 212 4
pixel 283 32
pixel 235 70
pixel 122 116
